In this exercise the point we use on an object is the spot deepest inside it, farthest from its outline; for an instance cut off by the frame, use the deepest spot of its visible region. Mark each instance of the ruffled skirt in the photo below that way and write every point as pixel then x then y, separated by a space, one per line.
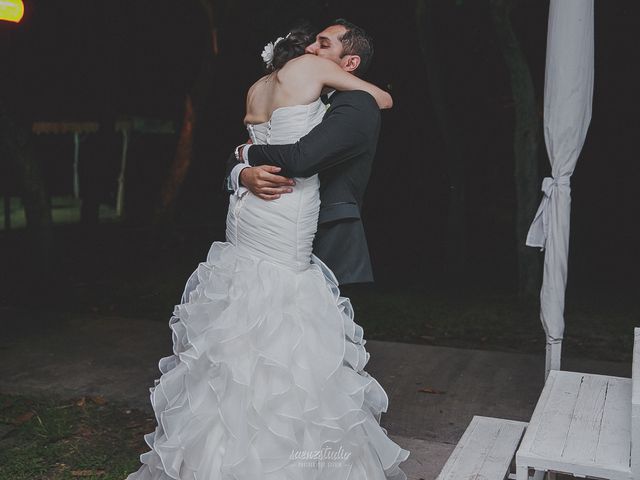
pixel 266 381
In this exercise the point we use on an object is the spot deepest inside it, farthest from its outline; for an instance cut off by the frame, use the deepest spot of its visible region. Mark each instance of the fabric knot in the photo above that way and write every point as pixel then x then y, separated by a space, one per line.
pixel 539 229
pixel 548 183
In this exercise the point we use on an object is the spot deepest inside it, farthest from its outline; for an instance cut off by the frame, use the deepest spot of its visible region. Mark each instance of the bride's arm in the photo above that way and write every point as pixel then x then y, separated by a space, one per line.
pixel 349 129
pixel 331 75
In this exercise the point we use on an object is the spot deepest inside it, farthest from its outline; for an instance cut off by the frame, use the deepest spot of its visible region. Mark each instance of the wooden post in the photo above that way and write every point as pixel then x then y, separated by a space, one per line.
pixel 7 212
pixel 123 166
pixel 635 406
pixel 76 156
pixel 552 358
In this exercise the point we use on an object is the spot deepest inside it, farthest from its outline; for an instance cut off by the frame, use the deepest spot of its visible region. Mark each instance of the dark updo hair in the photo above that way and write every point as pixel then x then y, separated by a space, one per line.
pixel 300 37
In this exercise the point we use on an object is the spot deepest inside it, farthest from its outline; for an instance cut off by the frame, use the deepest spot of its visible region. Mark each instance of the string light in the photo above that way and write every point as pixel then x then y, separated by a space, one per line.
pixel 11 10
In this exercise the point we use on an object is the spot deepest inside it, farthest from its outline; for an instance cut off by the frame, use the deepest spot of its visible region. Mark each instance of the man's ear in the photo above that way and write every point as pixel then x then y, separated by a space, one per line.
pixel 352 63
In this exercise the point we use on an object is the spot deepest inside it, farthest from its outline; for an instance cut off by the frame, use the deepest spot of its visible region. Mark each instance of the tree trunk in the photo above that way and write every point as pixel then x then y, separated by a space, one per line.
pixel 194 104
pixel 526 146
pixel 455 247
pixel 93 167
pixel 179 167
pixel 100 151
pixel 16 144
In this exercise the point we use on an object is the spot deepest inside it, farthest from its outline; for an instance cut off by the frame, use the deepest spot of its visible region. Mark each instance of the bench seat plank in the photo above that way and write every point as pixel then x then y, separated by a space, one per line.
pixel 581 425
pixel 614 447
pixel 485 450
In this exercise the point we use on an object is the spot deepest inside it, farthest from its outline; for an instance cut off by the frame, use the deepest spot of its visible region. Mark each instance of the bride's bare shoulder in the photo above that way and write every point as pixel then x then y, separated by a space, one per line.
pixel 257 85
pixel 258 99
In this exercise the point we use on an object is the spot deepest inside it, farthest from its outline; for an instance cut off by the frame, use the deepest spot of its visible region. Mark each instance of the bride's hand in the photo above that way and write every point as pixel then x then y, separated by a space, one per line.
pixel 263 182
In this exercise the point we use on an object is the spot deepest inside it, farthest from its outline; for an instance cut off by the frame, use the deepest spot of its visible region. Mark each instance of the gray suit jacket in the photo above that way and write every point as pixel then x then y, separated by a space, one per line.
pixel 341 150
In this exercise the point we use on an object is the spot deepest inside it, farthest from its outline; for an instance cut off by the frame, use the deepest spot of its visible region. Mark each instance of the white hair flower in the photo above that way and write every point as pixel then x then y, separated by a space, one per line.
pixel 267 52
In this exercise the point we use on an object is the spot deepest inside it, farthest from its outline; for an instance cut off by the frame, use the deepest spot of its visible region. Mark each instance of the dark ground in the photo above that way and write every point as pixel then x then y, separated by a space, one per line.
pixel 140 273
pixel 75 399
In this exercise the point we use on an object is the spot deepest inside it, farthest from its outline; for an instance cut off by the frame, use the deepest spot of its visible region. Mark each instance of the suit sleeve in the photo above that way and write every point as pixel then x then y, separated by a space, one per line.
pixel 232 161
pixel 345 132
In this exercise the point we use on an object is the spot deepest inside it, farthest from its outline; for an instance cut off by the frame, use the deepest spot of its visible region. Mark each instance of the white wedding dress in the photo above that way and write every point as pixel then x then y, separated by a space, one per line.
pixel 266 381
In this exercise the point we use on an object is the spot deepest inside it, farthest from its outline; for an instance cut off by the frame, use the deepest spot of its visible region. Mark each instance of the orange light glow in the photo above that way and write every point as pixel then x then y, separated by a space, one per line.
pixel 11 10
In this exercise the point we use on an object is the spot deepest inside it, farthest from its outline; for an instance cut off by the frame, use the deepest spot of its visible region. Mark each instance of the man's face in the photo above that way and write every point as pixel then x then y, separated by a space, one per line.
pixel 328 45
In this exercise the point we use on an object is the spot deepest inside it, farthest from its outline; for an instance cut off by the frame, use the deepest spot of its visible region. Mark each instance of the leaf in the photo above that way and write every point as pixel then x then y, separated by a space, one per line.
pixel 98 400
pixel 25 417
pixel 85 432
pixel 431 390
pixel 86 473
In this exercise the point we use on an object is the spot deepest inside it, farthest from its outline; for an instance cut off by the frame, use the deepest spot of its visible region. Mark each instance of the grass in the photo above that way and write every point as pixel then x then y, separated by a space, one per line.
pixel 64 210
pixel 57 439
pixel 598 327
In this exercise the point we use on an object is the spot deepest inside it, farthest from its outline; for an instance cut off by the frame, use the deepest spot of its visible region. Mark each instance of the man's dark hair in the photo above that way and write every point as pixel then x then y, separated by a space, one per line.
pixel 355 41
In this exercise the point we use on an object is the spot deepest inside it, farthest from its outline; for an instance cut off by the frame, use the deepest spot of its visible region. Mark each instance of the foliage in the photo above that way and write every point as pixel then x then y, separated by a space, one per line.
pixel 496 321
pixel 53 439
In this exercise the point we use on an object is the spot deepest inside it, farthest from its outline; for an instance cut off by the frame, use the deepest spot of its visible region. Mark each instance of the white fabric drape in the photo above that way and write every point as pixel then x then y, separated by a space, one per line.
pixel 568 93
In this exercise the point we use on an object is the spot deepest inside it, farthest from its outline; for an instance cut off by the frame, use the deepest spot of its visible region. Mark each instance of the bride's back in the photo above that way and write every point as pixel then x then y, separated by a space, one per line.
pixel 288 86
pixel 280 110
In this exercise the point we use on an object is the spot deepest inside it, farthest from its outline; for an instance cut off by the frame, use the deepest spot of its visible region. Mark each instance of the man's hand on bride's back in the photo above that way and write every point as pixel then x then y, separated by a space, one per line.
pixel 264 182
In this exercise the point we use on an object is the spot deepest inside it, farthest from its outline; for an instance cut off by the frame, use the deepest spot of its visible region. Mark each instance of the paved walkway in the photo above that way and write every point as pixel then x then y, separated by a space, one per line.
pixel 117 358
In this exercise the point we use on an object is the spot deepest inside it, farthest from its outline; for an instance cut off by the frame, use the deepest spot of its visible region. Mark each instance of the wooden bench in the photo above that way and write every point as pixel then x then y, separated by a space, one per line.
pixel 485 450
pixel 583 425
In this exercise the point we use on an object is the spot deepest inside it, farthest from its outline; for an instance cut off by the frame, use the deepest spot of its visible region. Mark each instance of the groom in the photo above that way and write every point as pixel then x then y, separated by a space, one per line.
pixel 341 149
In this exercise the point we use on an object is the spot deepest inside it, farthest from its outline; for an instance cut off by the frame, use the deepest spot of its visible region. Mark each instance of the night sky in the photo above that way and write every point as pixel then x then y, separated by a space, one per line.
pixel 70 60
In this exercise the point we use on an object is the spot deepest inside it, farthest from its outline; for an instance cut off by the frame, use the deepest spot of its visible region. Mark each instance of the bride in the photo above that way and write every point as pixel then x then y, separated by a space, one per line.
pixel 266 381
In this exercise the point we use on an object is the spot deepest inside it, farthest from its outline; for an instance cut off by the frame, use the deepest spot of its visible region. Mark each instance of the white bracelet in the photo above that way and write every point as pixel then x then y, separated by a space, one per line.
pixel 237 152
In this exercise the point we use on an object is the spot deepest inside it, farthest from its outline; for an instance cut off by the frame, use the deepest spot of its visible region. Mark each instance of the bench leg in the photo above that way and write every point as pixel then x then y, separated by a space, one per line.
pixel 539 475
pixel 551 475
pixel 522 472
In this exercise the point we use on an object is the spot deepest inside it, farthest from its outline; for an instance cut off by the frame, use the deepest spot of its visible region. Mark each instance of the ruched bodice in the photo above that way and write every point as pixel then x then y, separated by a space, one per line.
pixel 287 124
pixel 280 230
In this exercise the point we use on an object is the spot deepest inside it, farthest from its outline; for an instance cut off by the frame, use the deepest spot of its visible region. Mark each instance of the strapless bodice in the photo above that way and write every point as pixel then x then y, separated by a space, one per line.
pixel 287 124
pixel 281 230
